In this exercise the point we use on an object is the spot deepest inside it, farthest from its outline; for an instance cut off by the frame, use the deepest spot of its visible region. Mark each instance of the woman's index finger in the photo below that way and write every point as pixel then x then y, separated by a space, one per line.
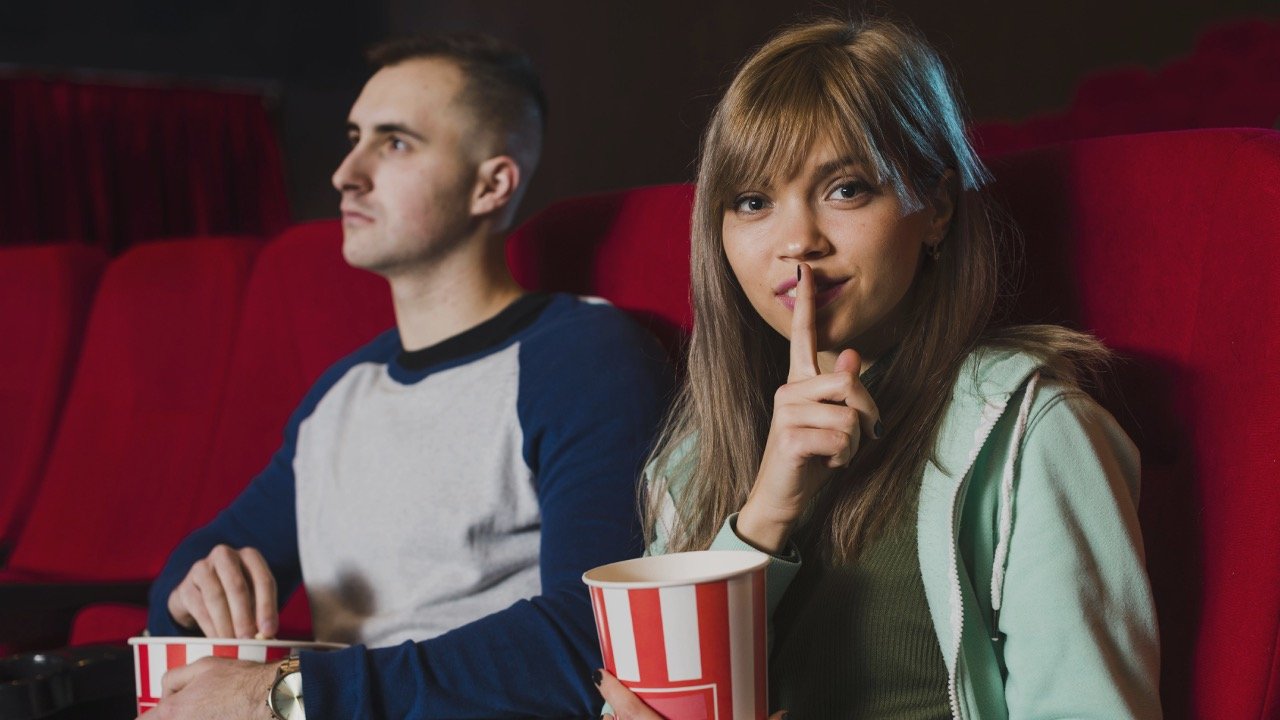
pixel 804 335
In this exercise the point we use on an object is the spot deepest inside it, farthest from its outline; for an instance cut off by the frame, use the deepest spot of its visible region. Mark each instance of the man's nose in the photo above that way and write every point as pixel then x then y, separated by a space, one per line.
pixel 352 174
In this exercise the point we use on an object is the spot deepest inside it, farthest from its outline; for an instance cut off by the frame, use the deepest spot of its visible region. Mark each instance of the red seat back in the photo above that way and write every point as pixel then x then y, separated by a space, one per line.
pixel 1167 246
pixel 304 310
pixel 135 433
pixel 630 247
pixel 45 294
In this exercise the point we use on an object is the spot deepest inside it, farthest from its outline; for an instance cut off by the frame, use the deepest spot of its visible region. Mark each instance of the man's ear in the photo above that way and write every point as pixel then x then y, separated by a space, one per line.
pixel 497 180
pixel 942 205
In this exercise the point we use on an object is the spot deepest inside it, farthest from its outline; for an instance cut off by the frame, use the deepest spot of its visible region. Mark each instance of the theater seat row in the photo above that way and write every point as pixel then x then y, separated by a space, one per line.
pixel 1166 245
pixel 194 354
pixel 1230 79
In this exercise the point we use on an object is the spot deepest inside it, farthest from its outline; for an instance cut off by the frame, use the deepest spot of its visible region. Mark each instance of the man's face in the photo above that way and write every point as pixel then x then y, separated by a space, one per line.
pixel 406 184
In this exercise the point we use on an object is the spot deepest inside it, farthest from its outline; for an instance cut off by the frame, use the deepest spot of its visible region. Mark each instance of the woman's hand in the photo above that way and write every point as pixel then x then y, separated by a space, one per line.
pixel 626 706
pixel 818 421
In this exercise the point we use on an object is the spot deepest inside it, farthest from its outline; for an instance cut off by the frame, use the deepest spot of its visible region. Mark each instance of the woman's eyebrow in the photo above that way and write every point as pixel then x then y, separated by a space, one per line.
pixel 831 166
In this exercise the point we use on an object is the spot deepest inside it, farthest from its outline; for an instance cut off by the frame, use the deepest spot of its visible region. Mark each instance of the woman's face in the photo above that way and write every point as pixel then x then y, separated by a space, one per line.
pixel 862 243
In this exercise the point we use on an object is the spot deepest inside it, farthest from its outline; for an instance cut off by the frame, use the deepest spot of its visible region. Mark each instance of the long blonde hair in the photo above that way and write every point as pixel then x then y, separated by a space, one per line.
pixel 881 94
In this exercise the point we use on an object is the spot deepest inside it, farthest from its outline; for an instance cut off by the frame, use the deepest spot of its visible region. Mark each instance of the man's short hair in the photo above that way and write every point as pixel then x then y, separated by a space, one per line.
pixel 502 88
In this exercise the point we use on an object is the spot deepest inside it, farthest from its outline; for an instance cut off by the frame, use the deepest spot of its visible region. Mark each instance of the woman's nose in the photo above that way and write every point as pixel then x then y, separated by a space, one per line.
pixel 801 238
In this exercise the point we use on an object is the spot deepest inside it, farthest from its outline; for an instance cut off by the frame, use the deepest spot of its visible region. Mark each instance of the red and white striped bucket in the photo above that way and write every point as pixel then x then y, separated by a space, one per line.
pixel 686 632
pixel 154 656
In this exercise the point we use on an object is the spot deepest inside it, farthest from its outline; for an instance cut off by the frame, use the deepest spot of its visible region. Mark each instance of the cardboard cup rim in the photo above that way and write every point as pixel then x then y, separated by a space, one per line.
pixel 235 642
pixel 745 561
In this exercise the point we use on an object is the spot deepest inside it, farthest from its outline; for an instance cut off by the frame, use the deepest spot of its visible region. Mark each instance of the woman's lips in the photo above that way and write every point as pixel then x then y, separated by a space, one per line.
pixel 827 292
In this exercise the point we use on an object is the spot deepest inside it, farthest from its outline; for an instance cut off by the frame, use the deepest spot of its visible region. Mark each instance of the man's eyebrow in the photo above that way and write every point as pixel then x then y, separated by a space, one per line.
pixel 388 129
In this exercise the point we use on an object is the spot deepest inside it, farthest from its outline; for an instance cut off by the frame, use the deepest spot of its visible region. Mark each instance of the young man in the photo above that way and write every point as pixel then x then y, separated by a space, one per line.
pixel 440 491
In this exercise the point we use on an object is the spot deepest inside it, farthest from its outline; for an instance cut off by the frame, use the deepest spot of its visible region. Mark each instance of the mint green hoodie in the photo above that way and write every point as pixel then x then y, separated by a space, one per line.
pixel 1027 524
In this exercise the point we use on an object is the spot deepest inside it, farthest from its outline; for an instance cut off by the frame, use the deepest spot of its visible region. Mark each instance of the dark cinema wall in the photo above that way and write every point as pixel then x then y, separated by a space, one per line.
pixel 630 83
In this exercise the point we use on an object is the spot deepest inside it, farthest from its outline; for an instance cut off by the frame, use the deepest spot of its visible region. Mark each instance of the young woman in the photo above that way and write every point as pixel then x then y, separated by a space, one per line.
pixel 952 521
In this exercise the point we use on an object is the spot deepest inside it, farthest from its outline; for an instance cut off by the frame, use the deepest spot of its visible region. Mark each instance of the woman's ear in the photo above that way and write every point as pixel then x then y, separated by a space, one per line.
pixel 942 205
pixel 496 182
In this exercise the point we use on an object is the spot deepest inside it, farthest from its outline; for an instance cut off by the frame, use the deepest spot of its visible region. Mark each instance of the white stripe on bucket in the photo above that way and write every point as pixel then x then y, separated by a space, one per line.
pixel 617 605
pixel 742 662
pixel 680 632
pixel 195 651
pixel 158 663
pixel 253 652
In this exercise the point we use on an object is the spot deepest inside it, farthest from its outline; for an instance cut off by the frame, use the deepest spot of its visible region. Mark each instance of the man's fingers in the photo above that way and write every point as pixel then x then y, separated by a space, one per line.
pixel 804 335
pixel 193 599
pixel 214 599
pixel 236 589
pixel 178 678
pixel 264 591
pixel 625 704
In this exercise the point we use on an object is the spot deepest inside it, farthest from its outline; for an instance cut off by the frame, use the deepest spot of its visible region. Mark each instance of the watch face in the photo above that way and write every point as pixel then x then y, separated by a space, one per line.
pixel 286 697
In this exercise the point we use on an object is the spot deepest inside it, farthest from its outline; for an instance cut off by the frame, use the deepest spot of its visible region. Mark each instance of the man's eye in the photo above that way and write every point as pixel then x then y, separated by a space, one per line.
pixel 396 143
pixel 353 139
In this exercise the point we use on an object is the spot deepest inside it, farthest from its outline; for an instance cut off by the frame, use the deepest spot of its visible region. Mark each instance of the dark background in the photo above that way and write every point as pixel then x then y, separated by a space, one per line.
pixel 630 83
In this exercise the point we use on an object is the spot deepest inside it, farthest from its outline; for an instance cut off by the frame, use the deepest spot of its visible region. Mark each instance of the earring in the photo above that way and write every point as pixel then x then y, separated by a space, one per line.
pixel 934 251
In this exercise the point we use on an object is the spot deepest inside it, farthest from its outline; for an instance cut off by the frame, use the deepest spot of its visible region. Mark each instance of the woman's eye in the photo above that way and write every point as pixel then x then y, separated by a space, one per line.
pixel 850 190
pixel 749 204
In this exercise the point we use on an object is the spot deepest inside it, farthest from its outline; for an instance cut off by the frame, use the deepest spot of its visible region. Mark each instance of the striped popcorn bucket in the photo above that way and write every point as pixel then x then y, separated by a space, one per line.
pixel 154 656
pixel 686 632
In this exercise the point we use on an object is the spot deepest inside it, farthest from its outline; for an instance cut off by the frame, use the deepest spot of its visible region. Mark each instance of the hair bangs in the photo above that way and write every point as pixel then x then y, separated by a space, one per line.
pixel 772 119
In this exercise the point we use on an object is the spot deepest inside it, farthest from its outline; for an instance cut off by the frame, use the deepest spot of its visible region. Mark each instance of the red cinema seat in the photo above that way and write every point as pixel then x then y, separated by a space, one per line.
pixel 304 310
pixel 1121 101
pixel 134 439
pixel 45 294
pixel 1167 246
pixel 629 247
pixel 1253 43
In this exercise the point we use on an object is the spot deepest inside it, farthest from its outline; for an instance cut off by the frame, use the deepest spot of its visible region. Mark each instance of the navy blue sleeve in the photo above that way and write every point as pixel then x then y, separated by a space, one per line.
pixel 593 389
pixel 263 517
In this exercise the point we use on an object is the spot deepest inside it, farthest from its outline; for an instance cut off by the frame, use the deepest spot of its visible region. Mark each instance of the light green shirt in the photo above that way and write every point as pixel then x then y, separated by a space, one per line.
pixel 1037 516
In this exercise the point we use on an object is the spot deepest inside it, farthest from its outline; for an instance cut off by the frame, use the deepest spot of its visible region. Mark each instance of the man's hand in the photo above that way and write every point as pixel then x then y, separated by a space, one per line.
pixel 230 594
pixel 216 689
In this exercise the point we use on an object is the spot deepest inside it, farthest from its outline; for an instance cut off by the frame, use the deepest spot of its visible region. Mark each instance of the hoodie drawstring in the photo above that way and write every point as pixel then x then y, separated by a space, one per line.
pixel 1006 505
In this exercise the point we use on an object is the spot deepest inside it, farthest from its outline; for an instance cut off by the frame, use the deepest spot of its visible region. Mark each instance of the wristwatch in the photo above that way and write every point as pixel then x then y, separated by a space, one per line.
pixel 285 699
